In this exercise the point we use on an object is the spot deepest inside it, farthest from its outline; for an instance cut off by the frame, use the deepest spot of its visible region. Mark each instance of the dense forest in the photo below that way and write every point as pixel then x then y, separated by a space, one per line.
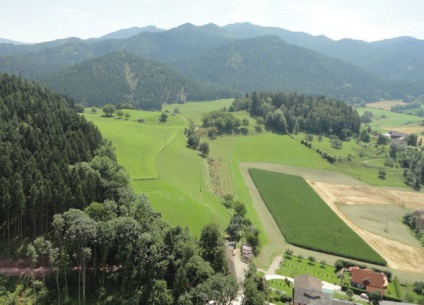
pixel 292 112
pixel 50 158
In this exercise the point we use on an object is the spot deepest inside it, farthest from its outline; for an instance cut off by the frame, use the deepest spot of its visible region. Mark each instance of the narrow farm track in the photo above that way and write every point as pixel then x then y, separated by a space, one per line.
pixel 398 255
pixel 272 232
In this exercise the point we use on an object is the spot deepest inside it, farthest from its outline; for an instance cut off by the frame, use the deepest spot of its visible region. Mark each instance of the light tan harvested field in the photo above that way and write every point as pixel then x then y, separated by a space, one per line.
pixel 385 105
pixel 335 188
pixel 409 129
pixel 398 255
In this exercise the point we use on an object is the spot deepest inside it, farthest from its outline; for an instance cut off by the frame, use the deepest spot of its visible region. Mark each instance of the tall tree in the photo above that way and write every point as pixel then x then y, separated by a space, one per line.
pixel 212 246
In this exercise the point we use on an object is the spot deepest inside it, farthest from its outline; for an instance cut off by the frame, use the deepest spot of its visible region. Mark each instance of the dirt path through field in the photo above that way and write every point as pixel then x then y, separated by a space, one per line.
pixel 335 187
pixel 272 232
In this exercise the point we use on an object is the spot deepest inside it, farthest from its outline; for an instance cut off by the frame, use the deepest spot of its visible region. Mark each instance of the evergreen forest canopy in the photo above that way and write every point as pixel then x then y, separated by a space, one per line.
pixel 60 180
pixel 50 158
pixel 292 112
pixel 227 61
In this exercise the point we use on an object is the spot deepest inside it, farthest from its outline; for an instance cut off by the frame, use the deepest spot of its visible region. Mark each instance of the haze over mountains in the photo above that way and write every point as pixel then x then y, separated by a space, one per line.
pixel 211 62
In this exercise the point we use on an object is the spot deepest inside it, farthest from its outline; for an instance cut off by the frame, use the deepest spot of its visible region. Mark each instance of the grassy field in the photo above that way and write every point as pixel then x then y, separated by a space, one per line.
pixel 384 120
pixel 384 220
pixel 193 111
pixel 187 192
pixel 138 144
pixel 306 220
pixel 150 150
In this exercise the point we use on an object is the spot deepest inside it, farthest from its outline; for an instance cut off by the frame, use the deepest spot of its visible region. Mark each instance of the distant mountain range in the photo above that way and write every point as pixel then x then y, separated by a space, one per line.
pixel 4 40
pixel 211 61
pixel 127 33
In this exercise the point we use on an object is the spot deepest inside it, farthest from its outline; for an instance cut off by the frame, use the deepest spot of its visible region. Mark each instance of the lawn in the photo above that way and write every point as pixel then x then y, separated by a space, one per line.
pixel 292 266
pixel 305 219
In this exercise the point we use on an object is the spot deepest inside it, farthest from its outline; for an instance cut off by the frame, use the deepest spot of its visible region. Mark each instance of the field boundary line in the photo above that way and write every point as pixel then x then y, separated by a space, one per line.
pixel 163 148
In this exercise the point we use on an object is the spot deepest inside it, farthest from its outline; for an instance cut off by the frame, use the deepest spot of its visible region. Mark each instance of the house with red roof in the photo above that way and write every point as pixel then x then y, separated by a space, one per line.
pixel 368 280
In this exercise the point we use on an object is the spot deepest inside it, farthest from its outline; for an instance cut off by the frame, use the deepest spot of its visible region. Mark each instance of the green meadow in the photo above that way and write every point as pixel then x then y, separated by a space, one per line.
pixel 186 190
pixel 384 120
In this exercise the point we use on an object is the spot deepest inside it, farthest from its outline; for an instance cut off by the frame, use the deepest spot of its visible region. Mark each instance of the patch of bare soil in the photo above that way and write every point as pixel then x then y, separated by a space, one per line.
pixel 398 255
pixel 354 195
pixel 220 182
pixel 21 267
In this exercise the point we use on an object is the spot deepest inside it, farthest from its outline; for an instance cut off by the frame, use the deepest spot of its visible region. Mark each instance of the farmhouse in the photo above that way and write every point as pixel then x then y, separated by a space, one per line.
pixel 308 291
pixel 397 135
pixel 368 280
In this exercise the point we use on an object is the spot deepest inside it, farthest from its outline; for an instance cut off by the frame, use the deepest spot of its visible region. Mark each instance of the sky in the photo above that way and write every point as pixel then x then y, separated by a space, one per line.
pixel 369 20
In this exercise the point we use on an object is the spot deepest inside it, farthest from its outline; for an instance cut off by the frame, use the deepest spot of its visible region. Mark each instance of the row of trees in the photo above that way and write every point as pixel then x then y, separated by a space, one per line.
pixel 292 112
pixel 240 227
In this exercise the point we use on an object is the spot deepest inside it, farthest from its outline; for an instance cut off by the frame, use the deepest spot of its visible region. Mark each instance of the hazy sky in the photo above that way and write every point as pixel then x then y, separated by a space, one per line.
pixel 44 20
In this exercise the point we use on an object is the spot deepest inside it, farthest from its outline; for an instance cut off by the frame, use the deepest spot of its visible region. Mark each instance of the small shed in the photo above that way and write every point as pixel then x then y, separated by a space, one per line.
pixel 246 253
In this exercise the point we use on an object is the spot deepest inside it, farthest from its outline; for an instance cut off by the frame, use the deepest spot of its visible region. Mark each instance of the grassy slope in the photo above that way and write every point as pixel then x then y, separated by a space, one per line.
pixel 149 150
pixel 306 220
pixel 138 144
pixel 391 120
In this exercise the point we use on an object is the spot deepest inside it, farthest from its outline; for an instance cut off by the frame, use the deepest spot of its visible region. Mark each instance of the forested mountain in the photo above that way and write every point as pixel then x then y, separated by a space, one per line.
pixel 127 33
pixel 4 40
pixel 399 59
pixel 269 64
pixel 346 68
pixel 184 41
pixel 41 60
pixel 123 77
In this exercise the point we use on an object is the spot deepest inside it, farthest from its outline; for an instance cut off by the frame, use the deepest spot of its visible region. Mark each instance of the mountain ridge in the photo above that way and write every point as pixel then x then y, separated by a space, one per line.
pixel 394 68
